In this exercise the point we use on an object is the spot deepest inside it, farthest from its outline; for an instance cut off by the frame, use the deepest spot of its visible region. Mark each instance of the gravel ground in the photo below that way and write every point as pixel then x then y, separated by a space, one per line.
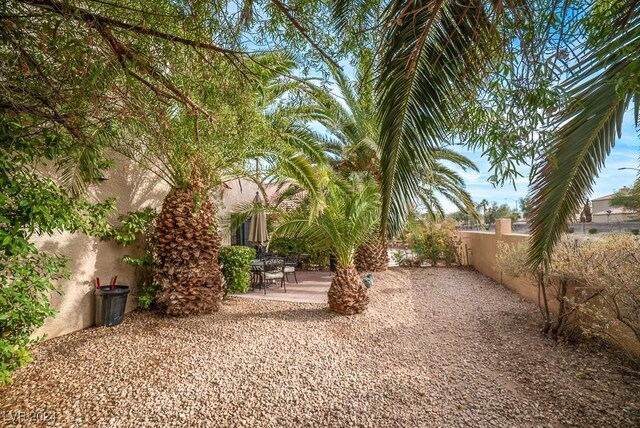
pixel 436 347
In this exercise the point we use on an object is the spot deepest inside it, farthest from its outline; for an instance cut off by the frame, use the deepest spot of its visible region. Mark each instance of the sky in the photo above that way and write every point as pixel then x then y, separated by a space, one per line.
pixel 625 154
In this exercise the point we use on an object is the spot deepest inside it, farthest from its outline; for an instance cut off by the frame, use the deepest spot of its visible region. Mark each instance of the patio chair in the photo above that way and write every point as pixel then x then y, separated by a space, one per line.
pixel 274 269
pixel 291 264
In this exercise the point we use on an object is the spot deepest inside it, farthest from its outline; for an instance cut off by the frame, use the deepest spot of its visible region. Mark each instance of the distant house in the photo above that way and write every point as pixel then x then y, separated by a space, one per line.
pixel 603 212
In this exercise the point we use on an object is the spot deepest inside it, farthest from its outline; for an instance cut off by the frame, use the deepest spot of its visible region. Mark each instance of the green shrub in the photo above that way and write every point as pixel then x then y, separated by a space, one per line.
pixel 31 204
pixel 285 246
pixel 133 226
pixel 24 305
pixel 148 295
pixel 435 243
pixel 236 265
pixel 593 231
pixel 635 231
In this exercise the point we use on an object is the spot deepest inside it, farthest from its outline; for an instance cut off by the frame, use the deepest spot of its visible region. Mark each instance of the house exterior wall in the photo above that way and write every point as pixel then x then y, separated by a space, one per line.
pixel 483 248
pixel 599 210
pixel 89 257
pixel 612 218
pixel 238 192
pixel 598 205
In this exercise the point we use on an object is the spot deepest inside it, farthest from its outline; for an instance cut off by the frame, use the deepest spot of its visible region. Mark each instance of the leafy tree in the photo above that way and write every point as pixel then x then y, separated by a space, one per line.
pixel 496 211
pixel 525 206
pixel 146 80
pixel 628 198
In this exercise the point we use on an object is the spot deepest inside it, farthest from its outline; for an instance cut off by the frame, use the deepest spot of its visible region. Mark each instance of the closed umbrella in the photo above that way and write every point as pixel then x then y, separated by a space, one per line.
pixel 258 227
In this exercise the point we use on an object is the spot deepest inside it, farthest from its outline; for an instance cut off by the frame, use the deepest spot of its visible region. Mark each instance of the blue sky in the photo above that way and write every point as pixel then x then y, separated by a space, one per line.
pixel 625 154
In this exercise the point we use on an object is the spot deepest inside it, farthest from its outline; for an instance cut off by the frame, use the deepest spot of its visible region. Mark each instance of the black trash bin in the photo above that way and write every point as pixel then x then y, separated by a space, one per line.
pixel 333 262
pixel 110 305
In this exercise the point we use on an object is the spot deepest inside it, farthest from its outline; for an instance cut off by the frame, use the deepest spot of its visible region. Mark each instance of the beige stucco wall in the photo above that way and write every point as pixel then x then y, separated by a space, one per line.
pixel 89 258
pixel 235 193
pixel 482 248
pixel 612 218
pixel 600 205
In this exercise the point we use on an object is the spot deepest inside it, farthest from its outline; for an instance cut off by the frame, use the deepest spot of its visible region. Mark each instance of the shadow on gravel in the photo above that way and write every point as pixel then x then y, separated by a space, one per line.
pixel 313 314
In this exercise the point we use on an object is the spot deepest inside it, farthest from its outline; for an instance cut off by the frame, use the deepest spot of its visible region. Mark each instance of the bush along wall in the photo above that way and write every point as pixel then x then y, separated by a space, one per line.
pixel 605 276
pixel 236 264
pixel 136 226
pixel 32 204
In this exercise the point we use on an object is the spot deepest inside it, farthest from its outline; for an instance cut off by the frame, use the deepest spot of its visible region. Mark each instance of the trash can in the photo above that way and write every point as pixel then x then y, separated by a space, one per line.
pixel 333 262
pixel 110 304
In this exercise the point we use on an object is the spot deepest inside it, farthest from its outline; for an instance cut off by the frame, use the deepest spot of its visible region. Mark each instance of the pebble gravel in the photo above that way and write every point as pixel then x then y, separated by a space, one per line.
pixel 437 347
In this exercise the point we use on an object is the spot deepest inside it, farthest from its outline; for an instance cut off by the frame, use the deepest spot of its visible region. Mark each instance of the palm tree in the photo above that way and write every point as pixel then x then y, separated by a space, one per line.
pixel 442 181
pixel 433 54
pixel 195 156
pixel 350 118
pixel 351 214
pixel 434 58
pixel 484 204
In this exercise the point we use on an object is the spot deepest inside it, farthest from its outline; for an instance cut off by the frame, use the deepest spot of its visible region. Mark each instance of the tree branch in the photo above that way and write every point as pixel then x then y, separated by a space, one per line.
pixel 303 31
pixel 66 9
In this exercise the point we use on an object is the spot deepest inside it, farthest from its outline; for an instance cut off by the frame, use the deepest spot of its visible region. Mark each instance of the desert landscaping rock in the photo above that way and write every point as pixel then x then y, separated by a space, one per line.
pixel 435 348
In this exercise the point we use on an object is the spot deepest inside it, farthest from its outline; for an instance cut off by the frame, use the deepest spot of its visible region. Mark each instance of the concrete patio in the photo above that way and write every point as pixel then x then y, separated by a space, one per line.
pixel 312 287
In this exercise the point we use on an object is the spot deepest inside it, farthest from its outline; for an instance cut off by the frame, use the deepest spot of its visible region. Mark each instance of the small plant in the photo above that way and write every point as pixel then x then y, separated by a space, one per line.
pixel 236 263
pixel 133 226
pixel 593 231
pixel 399 257
pixel 148 295
pixel 570 230
pixel 635 231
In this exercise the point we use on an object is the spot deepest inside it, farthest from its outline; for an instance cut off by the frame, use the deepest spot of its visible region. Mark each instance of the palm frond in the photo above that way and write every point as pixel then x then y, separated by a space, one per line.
pixel 434 52
pixel 601 93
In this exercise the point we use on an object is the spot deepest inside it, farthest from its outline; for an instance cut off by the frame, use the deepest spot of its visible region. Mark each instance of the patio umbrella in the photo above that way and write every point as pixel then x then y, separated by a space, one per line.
pixel 258 227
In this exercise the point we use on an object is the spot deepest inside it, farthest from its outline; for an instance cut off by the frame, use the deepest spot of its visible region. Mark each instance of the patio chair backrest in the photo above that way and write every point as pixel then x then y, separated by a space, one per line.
pixel 293 259
pixel 274 264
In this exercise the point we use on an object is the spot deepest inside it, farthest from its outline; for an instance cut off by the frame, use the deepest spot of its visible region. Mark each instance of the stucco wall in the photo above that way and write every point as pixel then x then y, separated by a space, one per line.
pixel 89 257
pixel 236 193
pixel 482 248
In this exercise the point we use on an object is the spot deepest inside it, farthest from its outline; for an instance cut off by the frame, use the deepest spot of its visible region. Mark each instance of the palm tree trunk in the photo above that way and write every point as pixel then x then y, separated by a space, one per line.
pixel 372 255
pixel 188 246
pixel 347 294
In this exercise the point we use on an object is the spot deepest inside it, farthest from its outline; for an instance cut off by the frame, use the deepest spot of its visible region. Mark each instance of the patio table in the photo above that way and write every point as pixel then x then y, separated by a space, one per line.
pixel 257 267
